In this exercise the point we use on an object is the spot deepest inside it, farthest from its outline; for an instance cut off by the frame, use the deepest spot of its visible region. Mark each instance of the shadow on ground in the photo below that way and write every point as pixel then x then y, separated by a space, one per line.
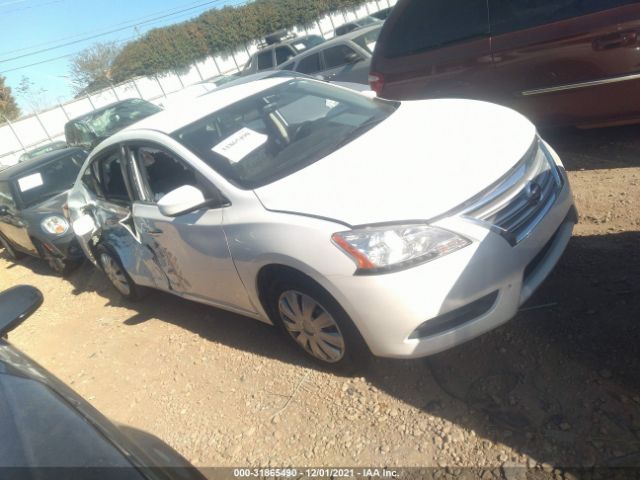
pixel 601 148
pixel 560 383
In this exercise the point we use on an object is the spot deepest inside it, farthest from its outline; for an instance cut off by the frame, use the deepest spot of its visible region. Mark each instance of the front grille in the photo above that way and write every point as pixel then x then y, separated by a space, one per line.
pixel 516 204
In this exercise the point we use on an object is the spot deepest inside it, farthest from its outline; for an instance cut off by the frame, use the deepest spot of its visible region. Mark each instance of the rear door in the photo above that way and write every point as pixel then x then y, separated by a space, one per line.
pixel 107 217
pixel 435 48
pixel 567 62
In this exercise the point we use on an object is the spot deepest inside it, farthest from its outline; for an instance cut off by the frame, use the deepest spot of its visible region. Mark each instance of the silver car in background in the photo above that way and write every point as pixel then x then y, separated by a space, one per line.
pixel 356 224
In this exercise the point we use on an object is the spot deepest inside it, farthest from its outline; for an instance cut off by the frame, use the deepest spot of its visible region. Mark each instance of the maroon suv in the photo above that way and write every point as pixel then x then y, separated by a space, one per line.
pixel 560 62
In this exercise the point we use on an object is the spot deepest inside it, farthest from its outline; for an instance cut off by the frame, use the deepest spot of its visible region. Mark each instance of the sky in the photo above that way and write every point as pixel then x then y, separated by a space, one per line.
pixel 42 31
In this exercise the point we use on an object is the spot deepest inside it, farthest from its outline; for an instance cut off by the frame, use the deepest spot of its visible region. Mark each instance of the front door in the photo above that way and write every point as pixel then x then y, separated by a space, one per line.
pixel 342 63
pixel 192 248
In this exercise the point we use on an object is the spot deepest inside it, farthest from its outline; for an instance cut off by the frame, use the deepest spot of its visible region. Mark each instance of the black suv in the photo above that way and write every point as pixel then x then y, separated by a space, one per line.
pixel 32 199
pixel 90 129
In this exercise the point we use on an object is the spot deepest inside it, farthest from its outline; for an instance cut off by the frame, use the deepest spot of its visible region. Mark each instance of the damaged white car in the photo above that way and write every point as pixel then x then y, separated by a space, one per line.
pixel 355 224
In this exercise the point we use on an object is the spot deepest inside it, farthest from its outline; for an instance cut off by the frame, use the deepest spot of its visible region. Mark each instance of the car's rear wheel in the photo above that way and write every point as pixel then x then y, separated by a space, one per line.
pixel 12 253
pixel 317 324
pixel 117 275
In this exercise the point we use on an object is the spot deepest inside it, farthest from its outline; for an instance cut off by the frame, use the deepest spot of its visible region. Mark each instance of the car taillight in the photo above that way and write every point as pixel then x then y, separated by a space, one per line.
pixel 376 81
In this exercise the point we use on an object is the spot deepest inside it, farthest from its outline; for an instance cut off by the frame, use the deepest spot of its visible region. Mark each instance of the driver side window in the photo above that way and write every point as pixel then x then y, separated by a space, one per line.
pixel 163 172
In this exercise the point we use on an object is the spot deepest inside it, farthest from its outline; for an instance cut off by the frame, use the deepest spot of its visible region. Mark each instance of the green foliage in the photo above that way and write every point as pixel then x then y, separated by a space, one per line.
pixel 218 31
pixel 8 106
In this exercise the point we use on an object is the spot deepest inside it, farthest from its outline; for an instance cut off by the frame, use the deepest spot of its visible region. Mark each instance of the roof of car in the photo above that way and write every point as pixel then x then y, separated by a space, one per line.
pixel 20 168
pixel 170 120
pixel 102 109
pixel 335 40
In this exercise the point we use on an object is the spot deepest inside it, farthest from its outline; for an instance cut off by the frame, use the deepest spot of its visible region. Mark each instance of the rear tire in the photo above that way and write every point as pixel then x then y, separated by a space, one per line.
pixel 112 266
pixel 12 253
pixel 316 323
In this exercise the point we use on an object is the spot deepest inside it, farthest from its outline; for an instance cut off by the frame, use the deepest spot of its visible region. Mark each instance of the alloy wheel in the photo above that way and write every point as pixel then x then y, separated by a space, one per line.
pixel 311 326
pixel 115 274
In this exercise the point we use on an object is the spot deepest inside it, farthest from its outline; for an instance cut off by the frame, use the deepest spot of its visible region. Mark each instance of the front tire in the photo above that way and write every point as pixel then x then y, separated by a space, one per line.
pixel 118 277
pixel 59 265
pixel 316 323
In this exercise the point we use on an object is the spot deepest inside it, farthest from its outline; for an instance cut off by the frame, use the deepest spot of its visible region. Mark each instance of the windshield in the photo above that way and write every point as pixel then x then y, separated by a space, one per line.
pixel 281 130
pixel 50 179
pixel 368 40
pixel 119 116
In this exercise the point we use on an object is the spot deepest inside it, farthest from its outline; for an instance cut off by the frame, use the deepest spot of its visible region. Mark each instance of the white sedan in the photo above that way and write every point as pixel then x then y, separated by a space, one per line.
pixel 357 225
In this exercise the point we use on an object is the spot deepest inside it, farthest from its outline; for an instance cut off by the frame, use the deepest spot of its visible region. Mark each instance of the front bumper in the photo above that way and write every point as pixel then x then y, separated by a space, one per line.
pixel 491 274
pixel 65 247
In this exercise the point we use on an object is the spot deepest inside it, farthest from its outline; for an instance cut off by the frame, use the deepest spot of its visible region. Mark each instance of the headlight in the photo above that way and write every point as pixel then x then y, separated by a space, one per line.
pixel 55 225
pixel 383 249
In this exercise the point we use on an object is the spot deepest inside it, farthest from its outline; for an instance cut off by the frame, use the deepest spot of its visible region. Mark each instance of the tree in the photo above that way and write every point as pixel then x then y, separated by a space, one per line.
pixel 8 107
pixel 217 31
pixel 92 69
pixel 33 97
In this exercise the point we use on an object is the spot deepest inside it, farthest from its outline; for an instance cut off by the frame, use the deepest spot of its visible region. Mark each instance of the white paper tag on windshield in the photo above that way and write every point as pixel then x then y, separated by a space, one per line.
pixel 30 181
pixel 240 144
pixel 84 225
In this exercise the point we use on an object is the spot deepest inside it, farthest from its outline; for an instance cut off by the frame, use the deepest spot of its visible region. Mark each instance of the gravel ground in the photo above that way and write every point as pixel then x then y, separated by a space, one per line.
pixel 558 386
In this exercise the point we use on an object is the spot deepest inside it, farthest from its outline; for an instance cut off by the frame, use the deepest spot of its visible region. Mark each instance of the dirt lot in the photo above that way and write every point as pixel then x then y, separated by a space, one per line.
pixel 559 385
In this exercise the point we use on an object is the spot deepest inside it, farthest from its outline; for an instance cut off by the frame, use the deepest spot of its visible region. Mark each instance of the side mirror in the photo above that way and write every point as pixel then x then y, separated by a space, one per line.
pixel 352 57
pixel 16 305
pixel 181 201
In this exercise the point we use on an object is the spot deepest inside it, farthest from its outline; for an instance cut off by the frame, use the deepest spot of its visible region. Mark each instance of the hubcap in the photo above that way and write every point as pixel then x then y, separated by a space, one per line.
pixel 311 326
pixel 115 274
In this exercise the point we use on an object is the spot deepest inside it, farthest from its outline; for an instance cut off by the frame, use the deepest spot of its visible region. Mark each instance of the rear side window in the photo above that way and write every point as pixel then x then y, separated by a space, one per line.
pixel 112 179
pixel 424 25
pixel 511 15
pixel 310 65
pixel 265 60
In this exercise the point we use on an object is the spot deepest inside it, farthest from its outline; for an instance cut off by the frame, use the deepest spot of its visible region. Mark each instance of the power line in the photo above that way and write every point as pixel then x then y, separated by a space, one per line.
pixel 238 3
pixel 27 7
pixel 61 39
pixel 107 33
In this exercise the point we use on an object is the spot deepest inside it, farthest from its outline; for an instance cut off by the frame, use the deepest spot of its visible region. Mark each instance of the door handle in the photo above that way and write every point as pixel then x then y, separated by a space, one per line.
pixel 153 231
pixel 615 40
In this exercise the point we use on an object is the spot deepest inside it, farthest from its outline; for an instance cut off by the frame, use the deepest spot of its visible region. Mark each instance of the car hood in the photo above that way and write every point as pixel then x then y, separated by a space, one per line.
pixel 51 205
pixel 424 160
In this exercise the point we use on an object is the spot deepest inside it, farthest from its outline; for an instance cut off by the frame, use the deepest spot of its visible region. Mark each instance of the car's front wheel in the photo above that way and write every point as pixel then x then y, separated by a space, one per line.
pixel 59 265
pixel 317 324
pixel 117 275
